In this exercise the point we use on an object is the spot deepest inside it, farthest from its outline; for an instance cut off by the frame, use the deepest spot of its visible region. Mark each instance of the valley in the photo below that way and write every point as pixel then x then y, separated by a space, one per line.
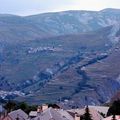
pixel 59 58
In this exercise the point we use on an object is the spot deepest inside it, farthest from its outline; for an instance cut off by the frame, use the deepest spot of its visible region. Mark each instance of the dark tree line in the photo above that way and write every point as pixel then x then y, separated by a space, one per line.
pixel 12 105
pixel 114 108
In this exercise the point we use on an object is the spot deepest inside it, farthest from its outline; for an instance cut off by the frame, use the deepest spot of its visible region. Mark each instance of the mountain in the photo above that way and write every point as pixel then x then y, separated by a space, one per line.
pixel 70 22
pixel 39 68
pixel 87 75
pixel 67 56
pixel 23 61
pixel 14 29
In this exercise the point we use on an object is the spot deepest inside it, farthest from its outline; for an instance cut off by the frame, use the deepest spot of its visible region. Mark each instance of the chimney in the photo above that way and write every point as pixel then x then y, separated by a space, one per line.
pixel 39 109
pixel 77 117
pixel 17 117
pixel 44 107
pixel 5 113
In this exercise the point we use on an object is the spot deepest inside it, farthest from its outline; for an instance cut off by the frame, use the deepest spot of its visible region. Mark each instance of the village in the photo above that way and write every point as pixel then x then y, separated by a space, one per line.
pixel 59 59
pixel 55 112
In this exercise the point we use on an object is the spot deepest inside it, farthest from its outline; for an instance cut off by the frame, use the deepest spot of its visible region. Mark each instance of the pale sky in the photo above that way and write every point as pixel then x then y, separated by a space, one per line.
pixel 28 7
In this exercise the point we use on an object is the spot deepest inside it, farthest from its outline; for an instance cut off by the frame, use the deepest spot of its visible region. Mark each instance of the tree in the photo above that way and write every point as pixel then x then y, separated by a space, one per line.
pixel 82 117
pixel 22 105
pixel 9 106
pixel 114 108
pixel 87 115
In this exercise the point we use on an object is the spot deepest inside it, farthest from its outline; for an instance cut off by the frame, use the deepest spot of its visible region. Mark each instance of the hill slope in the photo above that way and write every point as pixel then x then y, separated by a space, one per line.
pixel 40 61
pixel 70 22
pixel 14 29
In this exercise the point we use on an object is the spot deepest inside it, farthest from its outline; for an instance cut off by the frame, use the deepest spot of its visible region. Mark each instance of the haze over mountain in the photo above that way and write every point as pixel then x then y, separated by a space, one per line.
pixel 71 55
pixel 70 22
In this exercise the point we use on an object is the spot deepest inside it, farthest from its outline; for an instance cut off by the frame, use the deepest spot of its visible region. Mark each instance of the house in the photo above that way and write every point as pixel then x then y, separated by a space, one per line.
pixel 42 108
pixel 94 113
pixel 100 109
pixel 36 113
pixel 33 114
pixel 51 114
pixel 6 118
pixel 64 113
pixel 18 114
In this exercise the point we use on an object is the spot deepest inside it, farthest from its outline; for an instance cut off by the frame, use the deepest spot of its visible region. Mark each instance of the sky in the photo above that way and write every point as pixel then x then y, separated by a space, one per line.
pixel 29 7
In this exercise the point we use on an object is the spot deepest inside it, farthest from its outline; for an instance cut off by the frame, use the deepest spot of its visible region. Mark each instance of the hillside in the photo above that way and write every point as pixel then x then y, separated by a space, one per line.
pixel 30 58
pixel 16 29
pixel 70 22
pixel 82 80
pixel 42 60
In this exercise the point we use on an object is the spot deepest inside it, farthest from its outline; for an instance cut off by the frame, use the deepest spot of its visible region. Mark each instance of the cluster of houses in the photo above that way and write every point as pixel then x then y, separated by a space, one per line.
pixel 49 113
